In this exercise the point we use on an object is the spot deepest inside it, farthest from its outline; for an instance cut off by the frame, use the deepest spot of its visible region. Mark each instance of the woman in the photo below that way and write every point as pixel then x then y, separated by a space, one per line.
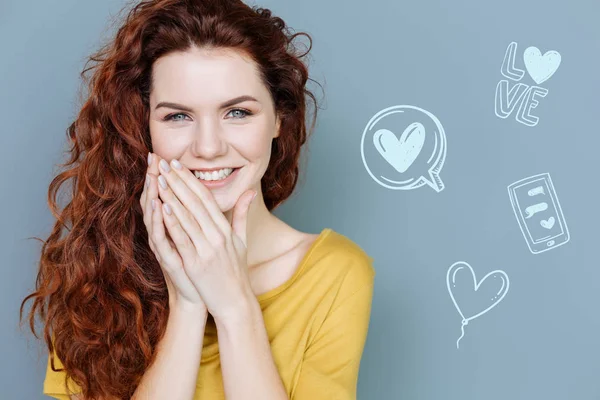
pixel 171 281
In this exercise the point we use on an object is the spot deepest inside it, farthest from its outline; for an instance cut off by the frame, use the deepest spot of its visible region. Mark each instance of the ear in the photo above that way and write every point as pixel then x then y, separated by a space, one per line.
pixel 277 126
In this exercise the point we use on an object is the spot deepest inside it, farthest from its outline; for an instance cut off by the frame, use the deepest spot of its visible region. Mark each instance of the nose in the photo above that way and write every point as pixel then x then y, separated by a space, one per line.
pixel 208 141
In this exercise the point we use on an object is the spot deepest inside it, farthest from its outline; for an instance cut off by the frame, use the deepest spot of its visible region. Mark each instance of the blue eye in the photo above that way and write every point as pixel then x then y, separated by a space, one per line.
pixel 170 117
pixel 244 112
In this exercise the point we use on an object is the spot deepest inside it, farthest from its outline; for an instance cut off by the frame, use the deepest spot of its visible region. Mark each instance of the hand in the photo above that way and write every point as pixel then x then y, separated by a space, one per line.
pixel 182 293
pixel 213 251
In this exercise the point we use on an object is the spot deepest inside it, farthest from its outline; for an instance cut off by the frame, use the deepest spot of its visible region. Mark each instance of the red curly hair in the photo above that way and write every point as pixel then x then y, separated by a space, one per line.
pixel 100 291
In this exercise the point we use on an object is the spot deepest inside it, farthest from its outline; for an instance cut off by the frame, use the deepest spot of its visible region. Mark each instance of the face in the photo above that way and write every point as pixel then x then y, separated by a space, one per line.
pixel 208 124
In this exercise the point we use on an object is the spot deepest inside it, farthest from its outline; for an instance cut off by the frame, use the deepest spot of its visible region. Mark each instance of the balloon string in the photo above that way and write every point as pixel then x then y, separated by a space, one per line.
pixel 462 329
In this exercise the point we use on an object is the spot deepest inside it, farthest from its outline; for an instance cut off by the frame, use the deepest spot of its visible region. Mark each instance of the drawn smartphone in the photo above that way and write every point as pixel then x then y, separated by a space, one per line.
pixel 538 213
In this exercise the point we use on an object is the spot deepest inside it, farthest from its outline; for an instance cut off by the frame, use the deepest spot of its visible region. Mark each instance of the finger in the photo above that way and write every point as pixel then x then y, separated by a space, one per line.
pixel 239 219
pixel 144 191
pixel 184 217
pixel 192 202
pixel 150 194
pixel 178 282
pixel 179 236
pixel 164 249
pixel 203 193
pixel 146 184
pixel 153 167
pixel 154 172
pixel 144 197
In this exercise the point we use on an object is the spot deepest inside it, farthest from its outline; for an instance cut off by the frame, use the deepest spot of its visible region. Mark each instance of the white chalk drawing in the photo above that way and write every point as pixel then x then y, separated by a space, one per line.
pixel 540 68
pixel 539 213
pixel 410 161
pixel 476 298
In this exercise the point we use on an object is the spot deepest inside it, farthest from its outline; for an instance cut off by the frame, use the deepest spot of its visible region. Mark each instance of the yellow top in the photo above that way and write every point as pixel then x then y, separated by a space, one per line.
pixel 317 324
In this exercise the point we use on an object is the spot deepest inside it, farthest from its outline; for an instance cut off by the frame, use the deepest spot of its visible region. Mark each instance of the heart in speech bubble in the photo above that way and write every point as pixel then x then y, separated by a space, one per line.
pixel 400 153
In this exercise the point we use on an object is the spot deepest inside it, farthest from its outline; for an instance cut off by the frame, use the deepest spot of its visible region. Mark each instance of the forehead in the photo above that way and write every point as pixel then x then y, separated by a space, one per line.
pixel 211 74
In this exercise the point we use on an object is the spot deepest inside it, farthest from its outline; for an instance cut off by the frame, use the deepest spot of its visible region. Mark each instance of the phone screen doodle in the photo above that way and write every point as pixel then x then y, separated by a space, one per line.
pixel 538 212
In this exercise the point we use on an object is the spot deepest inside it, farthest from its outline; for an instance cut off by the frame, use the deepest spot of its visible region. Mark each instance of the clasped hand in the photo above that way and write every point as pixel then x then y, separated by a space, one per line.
pixel 202 256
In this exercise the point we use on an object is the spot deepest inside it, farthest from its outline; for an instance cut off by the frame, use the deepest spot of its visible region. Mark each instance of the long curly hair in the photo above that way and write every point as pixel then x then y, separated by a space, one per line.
pixel 100 291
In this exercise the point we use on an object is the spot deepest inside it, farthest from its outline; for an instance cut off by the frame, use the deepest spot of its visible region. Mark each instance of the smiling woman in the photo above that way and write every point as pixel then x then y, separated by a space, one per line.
pixel 229 118
pixel 167 276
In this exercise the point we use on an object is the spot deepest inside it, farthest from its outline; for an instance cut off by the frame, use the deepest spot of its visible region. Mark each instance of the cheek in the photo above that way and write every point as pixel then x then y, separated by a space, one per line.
pixel 258 150
pixel 253 146
pixel 164 145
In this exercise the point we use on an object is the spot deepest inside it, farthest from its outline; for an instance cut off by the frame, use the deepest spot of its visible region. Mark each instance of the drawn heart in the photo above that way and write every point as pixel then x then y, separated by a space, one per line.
pixel 458 278
pixel 541 68
pixel 548 223
pixel 400 153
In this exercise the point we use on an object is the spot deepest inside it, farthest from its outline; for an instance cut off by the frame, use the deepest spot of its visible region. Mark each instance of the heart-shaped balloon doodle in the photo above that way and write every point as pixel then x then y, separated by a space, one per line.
pixel 541 68
pixel 461 274
pixel 548 223
pixel 400 153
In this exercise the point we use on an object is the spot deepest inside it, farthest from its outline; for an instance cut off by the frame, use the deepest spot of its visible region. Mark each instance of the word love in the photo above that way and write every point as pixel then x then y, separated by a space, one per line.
pixel 521 96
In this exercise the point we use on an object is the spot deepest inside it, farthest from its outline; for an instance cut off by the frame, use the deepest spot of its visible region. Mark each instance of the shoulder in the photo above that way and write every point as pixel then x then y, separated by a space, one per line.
pixel 341 263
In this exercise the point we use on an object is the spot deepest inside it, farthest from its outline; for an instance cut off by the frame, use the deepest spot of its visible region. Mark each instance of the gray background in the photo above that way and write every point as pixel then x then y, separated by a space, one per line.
pixel 541 342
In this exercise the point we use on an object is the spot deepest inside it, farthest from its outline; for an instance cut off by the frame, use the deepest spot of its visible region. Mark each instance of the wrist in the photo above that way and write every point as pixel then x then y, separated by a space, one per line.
pixel 246 312
pixel 188 309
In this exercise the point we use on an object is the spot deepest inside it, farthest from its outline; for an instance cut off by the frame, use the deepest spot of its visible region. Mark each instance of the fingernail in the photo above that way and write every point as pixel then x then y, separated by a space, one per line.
pixel 162 181
pixel 149 158
pixel 147 180
pixel 175 164
pixel 167 208
pixel 164 165
pixel 153 204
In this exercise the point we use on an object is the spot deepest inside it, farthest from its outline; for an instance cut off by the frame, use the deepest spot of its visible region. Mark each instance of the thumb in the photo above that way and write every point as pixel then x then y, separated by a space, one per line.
pixel 240 215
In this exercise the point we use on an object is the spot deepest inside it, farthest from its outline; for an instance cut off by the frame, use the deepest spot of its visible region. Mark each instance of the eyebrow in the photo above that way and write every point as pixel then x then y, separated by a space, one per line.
pixel 228 103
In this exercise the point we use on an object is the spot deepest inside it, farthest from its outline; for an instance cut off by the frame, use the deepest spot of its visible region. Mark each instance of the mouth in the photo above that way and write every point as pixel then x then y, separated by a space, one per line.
pixel 217 178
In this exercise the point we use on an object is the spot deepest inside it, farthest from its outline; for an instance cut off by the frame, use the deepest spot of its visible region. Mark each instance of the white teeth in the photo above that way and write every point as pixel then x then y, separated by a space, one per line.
pixel 215 175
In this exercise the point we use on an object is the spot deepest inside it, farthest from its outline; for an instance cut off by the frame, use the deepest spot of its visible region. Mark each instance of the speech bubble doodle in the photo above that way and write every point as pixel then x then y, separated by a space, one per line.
pixel 460 275
pixel 413 159
pixel 534 209
pixel 535 191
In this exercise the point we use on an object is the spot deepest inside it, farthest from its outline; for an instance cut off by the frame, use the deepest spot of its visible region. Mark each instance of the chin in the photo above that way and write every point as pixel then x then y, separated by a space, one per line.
pixel 226 201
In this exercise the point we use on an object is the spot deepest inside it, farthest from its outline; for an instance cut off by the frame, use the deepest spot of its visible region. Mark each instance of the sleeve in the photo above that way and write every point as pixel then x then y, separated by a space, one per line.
pixel 331 362
pixel 54 383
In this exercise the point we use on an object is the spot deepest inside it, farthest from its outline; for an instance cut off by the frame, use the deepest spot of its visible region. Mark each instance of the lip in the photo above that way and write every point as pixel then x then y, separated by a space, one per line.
pixel 218 184
pixel 211 169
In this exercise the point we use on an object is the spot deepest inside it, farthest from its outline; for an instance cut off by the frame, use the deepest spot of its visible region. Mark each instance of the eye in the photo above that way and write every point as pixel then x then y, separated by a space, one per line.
pixel 170 117
pixel 244 112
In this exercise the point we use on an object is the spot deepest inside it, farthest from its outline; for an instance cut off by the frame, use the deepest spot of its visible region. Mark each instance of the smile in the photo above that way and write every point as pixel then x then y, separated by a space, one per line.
pixel 217 179
pixel 214 175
